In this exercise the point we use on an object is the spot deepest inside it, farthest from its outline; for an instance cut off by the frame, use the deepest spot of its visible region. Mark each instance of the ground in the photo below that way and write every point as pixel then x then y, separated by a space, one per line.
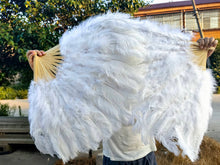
pixel 214 123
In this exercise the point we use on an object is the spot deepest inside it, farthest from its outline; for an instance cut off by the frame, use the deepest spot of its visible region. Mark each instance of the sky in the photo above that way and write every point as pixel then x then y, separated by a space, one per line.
pixel 164 1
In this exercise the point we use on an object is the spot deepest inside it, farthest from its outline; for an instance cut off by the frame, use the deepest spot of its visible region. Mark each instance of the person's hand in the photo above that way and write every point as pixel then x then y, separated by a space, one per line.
pixel 30 56
pixel 206 43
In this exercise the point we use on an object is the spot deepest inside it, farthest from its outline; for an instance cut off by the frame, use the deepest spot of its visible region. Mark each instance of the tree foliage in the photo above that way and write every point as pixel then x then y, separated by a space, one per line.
pixel 38 24
pixel 8 57
pixel 17 36
pixel 215 62
pixel 69 13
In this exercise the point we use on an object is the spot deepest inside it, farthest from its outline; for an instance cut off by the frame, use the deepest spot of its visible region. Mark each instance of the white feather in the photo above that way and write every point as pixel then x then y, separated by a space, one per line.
pixel 120 71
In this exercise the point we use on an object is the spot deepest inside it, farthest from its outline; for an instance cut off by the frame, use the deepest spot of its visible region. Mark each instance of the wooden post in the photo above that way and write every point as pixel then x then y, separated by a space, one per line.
pixel 197 19
pixel 199 26
pixel 184 19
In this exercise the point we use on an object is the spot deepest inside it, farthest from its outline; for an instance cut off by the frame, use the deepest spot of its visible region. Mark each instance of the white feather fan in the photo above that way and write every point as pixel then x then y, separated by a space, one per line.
pixel 120 71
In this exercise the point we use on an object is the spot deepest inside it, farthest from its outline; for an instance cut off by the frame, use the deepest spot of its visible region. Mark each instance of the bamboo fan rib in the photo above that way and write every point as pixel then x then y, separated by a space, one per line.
pixel 46 67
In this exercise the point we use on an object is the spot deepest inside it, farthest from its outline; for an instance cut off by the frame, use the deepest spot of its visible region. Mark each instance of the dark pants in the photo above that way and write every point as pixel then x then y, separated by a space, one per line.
pixel 149 159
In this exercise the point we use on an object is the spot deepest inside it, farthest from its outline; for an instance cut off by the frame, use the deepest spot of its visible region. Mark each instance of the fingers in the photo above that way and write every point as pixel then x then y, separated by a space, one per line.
pixel 30 53
pixel 40 53
pixel 201 43
pixel 210 42
pixel 215 43
pixel 35 52
pixel 206 43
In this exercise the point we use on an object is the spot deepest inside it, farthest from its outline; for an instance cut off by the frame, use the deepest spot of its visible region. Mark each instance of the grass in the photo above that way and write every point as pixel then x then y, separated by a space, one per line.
pixel 209 155
pixel 218 90
pixel 78 161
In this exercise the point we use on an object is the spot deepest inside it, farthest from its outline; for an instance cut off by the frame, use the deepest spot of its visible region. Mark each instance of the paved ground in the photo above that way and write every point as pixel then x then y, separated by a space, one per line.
pixel 214 124
pixel 26 155
pixel 30 156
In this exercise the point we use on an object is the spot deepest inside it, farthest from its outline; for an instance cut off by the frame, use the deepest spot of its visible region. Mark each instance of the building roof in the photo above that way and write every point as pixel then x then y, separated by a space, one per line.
pixel 176 7
pixel 178 4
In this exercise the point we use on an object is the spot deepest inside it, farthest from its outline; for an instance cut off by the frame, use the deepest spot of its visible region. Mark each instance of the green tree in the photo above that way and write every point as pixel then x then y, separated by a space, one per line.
pixel 68 13
pixel 215 62
pixel 17 36
pixel 8 59
pixel 38 24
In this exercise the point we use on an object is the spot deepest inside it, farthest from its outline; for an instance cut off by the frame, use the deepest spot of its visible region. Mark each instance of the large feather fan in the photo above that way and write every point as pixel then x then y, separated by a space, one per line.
pixel 120 71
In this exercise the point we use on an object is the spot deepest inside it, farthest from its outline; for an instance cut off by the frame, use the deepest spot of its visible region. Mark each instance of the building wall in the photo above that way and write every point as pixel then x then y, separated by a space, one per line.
pixel 208 33
pixel 184 19
pixel 174 19
pixel 209 19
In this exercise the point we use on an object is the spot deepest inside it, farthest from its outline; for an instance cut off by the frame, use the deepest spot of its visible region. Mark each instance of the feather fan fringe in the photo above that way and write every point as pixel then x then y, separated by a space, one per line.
pixel 116 71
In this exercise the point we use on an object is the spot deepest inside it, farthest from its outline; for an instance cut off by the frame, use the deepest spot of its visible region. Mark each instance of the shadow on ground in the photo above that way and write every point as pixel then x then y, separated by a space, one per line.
pixel 26 155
